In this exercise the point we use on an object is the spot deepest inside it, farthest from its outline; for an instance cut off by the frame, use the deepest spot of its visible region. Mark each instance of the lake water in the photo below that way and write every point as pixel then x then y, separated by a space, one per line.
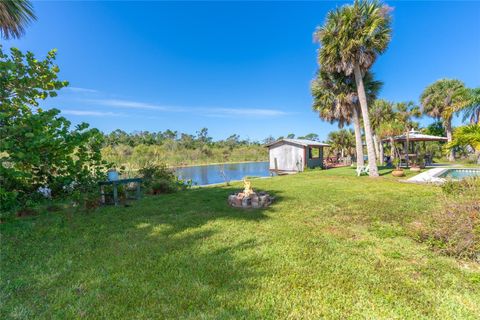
pixel 203 175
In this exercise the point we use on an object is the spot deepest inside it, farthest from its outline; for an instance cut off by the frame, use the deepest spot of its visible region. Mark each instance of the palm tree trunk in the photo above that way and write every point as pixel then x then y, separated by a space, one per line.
pixel 448 129
pixel 381 152
pixel 377 149
pixel 358 137
pixel 372 163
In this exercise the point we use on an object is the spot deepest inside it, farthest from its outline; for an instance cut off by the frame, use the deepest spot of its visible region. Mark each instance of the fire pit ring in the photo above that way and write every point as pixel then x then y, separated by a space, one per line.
pixel 249 198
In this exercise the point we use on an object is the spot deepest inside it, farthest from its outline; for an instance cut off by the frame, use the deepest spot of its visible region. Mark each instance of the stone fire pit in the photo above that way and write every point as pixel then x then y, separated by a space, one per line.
pixel 249 198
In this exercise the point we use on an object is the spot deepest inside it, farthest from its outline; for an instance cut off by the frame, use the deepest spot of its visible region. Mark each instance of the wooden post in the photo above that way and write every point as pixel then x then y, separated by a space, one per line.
pixel 115 193
pixel 139 195
pixel 102 193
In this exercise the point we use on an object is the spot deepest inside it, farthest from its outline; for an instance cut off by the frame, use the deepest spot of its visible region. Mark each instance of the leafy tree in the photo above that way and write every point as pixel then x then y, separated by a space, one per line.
pixel 203 137
pixel 467 136
pixel 435 129
pixel 37 147
pixel 310 136
pixel 269 139
pixel 291 136
pixel 15 15
pixel 169 134
pixel 441 100
pixel 351 39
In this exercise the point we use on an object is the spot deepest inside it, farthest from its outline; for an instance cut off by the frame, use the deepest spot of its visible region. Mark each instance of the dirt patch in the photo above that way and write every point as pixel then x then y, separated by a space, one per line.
pixel 26 212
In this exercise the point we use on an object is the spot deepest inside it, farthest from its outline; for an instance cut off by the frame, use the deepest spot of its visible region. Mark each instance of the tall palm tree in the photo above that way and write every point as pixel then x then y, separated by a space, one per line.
pixel 335 99
pixel 15 15
pixel 351 39
pixel 441 100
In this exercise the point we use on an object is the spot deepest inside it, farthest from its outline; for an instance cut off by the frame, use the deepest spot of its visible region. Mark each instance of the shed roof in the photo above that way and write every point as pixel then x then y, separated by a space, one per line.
pixel 299 142
pixel 417 136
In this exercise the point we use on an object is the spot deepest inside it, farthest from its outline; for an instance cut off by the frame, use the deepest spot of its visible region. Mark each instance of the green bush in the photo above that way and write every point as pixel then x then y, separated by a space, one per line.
pixel 8 200
pixel 158 178
pixel 163 186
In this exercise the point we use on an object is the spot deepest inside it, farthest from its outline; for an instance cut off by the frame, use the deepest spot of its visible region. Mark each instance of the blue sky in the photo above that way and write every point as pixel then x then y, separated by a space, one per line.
pixel 233 67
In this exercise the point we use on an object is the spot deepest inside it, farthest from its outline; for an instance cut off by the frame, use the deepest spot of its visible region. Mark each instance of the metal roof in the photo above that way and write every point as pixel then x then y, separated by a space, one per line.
pixel 417 136
pixel 300 142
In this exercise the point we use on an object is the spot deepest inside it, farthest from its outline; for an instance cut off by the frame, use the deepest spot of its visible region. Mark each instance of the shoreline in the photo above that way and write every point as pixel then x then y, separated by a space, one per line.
pixel 214 164
pixel 225 183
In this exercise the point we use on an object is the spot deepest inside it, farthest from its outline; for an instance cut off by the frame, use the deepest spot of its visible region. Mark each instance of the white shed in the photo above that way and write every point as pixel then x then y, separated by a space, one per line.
pixel 294 155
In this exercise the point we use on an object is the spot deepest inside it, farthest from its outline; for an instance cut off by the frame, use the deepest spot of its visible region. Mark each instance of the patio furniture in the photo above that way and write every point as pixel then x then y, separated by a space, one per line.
pixel 408 140
pixel 115 184
pixel 362 170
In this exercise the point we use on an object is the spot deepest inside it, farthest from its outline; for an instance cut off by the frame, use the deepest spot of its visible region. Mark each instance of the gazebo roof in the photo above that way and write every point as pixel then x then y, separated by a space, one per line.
pixel 417 136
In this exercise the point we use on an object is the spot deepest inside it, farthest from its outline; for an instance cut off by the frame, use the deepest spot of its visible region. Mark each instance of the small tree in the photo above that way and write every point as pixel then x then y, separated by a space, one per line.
pixel 467 136
pixel 38 147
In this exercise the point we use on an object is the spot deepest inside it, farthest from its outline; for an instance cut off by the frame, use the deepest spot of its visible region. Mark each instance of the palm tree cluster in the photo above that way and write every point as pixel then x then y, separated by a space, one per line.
pixel 351 39
pixel 345 91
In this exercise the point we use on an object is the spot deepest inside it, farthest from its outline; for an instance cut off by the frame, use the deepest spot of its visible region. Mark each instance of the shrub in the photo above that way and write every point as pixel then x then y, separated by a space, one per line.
pixel 163 186
pixel 8 199
pixel 454 230
pixel 158 178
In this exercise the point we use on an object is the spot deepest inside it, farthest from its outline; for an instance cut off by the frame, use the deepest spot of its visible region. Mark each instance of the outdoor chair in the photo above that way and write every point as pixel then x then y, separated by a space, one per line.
pixel 361 170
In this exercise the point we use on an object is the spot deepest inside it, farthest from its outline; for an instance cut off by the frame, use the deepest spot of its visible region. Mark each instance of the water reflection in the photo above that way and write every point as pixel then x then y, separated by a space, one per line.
pixel 203 175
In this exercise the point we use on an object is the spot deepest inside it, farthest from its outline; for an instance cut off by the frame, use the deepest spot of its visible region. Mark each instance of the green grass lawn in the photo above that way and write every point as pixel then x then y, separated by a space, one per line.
pixel 332 246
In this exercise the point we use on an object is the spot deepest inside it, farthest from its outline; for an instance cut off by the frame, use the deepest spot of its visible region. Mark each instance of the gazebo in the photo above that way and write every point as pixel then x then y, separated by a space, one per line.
pixel 408 140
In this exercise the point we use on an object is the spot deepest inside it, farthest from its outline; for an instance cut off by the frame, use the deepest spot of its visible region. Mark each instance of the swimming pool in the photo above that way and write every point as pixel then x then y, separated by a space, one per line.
pixel 458 174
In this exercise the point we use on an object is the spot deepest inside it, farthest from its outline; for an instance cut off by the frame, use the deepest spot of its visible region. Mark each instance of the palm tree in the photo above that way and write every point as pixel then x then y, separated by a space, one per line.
pixel 335 99
pixel 441 100
pixel 380 112
pixel 391 119
pixel 472 110
pixel 389 129
pixel 351 39
pixel 341 141
pixel 15 15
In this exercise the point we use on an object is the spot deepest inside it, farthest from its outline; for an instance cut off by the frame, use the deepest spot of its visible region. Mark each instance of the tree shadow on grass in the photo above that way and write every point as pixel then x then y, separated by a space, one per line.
pixel 169 256
pixel 196 207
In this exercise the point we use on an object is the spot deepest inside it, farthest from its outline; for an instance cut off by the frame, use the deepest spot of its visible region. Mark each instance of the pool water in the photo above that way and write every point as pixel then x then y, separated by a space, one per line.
pixel 458 174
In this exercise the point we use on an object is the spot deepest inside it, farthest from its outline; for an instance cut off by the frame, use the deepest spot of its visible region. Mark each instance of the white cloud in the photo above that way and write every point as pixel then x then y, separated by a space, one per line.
pixel 247 112
pixel 206 111
pixel 81 90
pixel 91 113
pixel 129 104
